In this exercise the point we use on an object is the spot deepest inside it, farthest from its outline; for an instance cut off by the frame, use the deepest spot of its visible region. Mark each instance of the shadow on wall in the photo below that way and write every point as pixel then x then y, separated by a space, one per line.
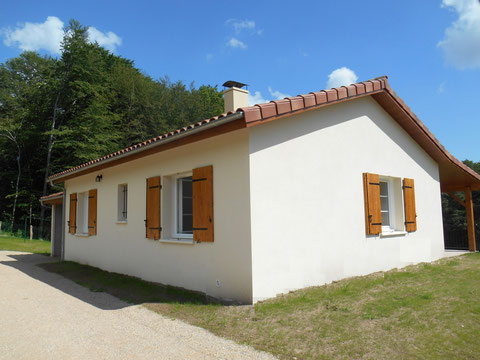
pixel 28 264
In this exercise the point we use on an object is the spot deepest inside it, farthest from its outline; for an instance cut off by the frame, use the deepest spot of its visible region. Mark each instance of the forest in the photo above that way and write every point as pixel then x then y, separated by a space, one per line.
pixel 56 113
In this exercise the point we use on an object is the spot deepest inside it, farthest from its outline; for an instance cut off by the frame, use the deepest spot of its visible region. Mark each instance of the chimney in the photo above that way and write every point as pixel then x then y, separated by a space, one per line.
pixel 234 96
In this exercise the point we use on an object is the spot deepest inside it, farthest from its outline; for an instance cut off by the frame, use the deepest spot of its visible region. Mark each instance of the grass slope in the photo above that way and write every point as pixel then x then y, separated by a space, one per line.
pixel 427 311
pixel 18 244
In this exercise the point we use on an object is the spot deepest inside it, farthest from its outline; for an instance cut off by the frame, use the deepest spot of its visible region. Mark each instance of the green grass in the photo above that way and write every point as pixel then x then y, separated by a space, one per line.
pixel 427 311
pixel 12 243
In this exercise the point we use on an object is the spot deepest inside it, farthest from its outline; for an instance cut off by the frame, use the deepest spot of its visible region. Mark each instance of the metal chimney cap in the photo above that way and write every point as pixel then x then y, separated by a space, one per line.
pixel 231 83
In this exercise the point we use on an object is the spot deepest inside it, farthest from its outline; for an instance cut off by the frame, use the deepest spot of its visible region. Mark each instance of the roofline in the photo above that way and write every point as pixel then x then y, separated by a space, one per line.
pixel 176 136
pixel 380 91
pixel 52 198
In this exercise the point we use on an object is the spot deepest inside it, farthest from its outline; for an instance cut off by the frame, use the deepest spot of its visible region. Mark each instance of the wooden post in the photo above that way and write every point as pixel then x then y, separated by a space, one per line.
pixel 472 245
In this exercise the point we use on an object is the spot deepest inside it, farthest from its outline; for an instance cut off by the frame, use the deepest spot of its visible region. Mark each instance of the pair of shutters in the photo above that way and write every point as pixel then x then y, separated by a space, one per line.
pixel 92 213
pixel 373 215
pixel 202 179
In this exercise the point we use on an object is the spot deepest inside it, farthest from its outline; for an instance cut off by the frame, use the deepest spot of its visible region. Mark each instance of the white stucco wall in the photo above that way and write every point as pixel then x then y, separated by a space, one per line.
pixel 307 202
pixel 123 248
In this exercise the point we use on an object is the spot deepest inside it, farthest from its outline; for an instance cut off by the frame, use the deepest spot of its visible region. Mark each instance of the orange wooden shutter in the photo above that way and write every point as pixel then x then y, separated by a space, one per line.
pixel 152 223
pixel 92 212
pixel 373 214
pixel 409 202
pixel 72 221
pixel 203 204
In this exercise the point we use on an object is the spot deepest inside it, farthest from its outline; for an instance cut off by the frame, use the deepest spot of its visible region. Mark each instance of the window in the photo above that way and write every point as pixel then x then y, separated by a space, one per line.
pixel 386 206
pixel 184 204
pixel 122 202
pixel 82 213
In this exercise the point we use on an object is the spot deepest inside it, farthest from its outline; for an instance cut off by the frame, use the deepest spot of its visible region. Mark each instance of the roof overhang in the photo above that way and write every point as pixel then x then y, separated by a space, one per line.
pixel 52 199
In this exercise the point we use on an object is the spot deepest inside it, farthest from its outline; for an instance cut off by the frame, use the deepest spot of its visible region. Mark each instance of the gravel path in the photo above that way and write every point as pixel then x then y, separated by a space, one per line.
pixel 45 316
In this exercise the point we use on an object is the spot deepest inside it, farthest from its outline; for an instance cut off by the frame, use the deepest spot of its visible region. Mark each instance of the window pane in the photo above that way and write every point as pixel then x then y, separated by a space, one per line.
pixel 187 222
pixel 383 188
pixel 384 203
pixel 385 218
pixel 185 205
pixel 187 186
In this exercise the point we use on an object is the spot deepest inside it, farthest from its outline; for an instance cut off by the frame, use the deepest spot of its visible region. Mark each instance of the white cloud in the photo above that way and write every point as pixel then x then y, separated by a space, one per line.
pixel 49 35
pixel 256 98
pixel 209 57
pixel 243 25
pixel 235 43
pixel 35 36
pixel 340 77
pixel 277 95
pixel 108 40
pixel 441 88
pixel 461 44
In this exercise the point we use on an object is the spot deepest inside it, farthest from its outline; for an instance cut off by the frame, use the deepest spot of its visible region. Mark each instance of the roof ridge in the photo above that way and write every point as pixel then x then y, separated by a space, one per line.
pixel 287 105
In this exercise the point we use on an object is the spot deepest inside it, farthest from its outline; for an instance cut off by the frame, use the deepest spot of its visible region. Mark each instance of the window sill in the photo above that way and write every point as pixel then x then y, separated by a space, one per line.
pixel 393 233
pixel 122 222
pixel 81 235
pixel 177 241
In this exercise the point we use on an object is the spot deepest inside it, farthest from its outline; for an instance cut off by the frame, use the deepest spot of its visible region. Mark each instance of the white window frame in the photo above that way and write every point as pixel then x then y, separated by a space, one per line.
pixel 82 213
pixel 122 203
pixel 176 209
pixel 391 205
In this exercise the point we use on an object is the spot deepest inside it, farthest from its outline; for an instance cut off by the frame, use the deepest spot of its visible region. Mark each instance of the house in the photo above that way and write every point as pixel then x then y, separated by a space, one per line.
pixel 268 198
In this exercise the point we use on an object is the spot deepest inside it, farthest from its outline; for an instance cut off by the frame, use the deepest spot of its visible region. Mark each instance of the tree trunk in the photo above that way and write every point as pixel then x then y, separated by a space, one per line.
pixel 49 156
pixel 19 172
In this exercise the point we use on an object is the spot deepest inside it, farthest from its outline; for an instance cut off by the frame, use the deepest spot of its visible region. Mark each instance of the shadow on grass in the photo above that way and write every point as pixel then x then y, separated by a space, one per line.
pixel 127 288
pixel 95 283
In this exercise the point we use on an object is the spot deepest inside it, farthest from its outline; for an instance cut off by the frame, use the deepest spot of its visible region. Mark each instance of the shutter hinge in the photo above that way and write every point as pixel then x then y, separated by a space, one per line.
pixel 199 228
pixel 370 183
pixel 407 187
pixel 201 179
pixel 409 222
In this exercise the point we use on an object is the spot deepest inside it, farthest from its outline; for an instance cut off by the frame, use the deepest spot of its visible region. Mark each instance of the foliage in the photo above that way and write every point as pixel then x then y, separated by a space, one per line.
pixel 454 214
pixel 56 113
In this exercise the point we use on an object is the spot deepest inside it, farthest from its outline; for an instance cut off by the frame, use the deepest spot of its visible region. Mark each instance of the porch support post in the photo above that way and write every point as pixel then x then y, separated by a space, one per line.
pixel 472 246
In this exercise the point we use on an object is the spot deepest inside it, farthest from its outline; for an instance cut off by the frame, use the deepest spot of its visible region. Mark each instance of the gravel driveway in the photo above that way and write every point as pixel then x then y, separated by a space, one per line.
pixel 45 316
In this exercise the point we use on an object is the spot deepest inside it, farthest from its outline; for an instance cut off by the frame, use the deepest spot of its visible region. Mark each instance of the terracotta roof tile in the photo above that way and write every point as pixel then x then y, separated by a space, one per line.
pixel 283 106
pixel 46 197
pixel 296 102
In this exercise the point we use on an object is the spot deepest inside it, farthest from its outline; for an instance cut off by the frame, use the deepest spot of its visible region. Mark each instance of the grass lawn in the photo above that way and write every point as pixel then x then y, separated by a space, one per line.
pixel 426 311
pixel 18 244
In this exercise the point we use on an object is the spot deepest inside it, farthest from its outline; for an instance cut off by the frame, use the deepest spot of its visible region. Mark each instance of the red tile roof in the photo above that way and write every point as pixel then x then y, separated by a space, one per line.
pixel 141 145
pixel 291 105
pixel 52 196
pixel 453 173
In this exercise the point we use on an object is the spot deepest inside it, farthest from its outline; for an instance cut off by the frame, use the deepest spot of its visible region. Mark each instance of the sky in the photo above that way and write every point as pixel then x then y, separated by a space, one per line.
pixel 429 49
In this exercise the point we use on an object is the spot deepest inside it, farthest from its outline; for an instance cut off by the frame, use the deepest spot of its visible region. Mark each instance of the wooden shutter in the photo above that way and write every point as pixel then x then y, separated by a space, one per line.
pixel 409 202
pixel 203 204
pixel 152 223
pixel 92 212
pixel 72 221
pixel 373 214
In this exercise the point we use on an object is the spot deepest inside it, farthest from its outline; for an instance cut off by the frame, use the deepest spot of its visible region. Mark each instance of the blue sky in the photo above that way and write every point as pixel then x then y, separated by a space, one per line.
pixel 429 49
